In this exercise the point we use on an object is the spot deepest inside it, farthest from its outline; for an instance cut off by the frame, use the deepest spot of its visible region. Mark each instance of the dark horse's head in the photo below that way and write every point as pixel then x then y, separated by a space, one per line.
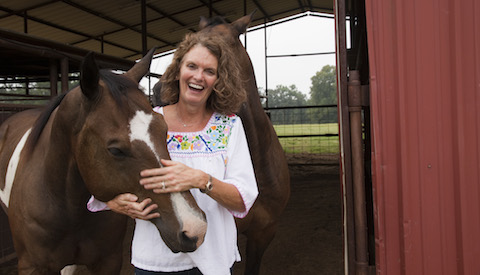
pixel 218 27
pixel 116 135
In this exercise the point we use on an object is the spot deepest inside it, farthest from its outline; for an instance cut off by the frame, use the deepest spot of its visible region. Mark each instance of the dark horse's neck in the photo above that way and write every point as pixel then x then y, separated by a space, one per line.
pixel 252 113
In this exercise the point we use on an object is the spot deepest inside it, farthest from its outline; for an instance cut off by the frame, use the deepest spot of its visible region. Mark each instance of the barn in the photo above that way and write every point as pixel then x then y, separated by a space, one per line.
pixel 408 92
pixel 425 93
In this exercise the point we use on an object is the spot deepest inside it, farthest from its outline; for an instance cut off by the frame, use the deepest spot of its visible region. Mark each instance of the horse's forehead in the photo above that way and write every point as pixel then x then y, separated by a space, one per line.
pixel 139 130
pixel 127 102
pixel 221 29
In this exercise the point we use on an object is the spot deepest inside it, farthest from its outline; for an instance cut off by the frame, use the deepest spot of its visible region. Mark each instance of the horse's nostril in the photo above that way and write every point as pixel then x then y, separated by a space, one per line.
pixel 187 238
pixel 188 243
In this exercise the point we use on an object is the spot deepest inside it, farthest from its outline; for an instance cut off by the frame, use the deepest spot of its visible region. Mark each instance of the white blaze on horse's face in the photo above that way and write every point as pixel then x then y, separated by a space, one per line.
pixel 139 130
pixel 192 221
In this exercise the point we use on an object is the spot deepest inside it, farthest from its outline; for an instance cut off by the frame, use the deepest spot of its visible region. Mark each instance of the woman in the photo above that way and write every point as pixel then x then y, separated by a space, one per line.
pixel 210 157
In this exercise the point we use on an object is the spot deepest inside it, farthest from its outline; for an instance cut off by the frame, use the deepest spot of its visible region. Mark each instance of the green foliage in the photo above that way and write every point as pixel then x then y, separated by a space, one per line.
pixel 324 92
pixel 284 96
pixel 324 87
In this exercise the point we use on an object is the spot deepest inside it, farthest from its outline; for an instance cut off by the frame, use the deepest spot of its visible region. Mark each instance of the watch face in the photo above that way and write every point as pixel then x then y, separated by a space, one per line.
pixel 209 186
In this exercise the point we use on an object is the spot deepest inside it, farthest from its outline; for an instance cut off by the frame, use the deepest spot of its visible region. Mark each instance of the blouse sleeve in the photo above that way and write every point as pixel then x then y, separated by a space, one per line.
pixel 94 205
pixel 239 168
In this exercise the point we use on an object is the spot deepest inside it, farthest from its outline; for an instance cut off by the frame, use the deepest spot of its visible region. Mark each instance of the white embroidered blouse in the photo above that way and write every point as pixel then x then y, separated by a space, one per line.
pixel 220 150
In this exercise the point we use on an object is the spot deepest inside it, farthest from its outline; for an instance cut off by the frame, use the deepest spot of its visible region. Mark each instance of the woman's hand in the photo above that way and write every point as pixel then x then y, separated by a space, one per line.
pixel 176 177
pixel 172 177
pixel 127 204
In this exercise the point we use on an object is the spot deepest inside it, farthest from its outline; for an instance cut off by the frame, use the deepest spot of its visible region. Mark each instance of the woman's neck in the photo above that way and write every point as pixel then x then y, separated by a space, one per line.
pixel 186 118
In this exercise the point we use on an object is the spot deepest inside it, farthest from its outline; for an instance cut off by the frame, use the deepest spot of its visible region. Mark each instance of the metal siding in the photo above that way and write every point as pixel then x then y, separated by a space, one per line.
pixel 425 93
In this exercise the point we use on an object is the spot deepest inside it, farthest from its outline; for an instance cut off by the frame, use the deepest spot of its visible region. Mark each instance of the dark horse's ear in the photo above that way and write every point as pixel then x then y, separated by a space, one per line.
pixel 89 76
pixel 203 23
pixel 242 23
pixel 157 97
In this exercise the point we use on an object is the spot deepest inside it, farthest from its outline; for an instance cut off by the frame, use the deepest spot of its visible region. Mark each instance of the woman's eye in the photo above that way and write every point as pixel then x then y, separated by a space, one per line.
pixel 117 152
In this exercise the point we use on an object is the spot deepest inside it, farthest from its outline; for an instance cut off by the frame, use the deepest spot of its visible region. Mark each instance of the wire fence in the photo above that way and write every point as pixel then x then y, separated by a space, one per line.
pixel 307 129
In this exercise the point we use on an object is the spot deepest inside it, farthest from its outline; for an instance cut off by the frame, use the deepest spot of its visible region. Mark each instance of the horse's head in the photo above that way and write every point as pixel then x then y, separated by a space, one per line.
pixel 230 33
pixel 117 136
pixel 217 26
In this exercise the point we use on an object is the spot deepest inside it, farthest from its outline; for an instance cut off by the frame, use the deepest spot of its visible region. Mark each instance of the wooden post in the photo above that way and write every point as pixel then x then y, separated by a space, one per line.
pixel 53 77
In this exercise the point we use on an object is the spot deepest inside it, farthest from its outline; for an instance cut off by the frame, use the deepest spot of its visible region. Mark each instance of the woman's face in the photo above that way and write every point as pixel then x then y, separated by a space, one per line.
pixel 198 73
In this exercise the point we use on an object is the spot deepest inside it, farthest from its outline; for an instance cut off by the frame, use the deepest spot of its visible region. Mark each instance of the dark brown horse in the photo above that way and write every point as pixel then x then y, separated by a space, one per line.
pixel 93 140
pixel 271 169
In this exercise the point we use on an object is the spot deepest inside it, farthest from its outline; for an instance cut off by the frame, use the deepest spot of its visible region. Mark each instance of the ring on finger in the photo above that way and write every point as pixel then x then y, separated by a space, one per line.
pixel 163 185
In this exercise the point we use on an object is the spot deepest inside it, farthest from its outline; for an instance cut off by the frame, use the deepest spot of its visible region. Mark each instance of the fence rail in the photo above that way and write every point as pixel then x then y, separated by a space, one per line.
pixel 306 129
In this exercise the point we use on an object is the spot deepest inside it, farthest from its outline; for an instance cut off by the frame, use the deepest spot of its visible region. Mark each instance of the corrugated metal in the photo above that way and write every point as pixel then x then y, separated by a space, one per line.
pixel 170 20
pixel 425 97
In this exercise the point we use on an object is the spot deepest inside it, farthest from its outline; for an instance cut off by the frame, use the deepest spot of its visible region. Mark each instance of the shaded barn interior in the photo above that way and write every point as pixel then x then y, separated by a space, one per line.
pixel 42 41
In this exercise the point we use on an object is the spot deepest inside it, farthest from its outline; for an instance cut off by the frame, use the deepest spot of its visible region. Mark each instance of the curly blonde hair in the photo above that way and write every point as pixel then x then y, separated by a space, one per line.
pixel 228 93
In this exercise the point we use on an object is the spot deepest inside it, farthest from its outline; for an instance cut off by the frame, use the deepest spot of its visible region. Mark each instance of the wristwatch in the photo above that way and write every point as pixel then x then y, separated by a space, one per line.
pixel 208 186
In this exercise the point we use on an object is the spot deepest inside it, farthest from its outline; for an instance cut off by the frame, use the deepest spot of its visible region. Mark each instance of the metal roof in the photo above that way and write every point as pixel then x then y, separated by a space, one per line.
pixel 114 27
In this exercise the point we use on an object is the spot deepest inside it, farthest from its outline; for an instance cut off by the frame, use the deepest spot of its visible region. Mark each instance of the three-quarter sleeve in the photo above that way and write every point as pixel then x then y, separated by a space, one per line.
pixel 239 168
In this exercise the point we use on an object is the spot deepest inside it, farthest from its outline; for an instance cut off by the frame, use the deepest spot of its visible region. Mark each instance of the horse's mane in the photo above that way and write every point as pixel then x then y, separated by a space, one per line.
pixel 118 85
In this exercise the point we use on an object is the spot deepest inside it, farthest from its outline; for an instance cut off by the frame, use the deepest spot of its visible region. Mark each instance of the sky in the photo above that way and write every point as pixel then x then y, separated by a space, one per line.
pixel 305 35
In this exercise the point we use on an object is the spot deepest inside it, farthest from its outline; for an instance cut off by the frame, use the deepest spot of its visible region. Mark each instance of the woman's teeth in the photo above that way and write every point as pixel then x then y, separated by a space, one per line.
pixel 195 86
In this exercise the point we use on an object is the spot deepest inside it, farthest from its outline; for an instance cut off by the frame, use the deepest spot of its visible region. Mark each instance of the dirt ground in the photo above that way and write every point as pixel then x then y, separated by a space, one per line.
pixel 309 239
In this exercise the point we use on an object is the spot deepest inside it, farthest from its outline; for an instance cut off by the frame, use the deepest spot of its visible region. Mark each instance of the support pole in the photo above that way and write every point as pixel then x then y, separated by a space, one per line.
pixel 266 61
pixel 360 216
pixel 64 74
pixel 144 27
pixel 53 77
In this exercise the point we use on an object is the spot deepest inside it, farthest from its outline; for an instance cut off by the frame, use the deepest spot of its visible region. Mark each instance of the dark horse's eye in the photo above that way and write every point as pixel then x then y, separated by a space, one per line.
pixel 116 152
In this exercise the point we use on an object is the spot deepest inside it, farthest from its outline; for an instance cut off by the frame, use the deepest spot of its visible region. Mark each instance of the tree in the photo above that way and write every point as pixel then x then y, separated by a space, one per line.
pixel 324 87
pixel 284 96
pixel 324 92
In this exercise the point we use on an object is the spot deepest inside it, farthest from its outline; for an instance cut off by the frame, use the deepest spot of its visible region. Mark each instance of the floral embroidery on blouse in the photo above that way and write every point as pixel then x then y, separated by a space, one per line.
pixel 212 139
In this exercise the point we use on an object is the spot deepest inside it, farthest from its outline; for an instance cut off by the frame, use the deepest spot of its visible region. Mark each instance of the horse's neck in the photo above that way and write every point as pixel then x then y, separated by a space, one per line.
pixel 253 114
pixel 61 173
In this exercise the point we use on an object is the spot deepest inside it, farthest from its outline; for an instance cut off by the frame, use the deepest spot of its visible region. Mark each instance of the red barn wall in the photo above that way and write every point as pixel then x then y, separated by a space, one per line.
pixel 425 99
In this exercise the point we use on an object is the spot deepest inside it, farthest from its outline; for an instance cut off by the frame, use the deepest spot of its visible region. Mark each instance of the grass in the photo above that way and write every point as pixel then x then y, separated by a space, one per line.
pixel 315 145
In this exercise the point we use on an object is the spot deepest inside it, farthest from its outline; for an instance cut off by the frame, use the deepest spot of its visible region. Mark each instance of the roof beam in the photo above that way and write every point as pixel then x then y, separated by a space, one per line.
pixel 265 14
pixel 112 20
pixel 22 11
pixel 209 5
pixel 68 30
pixel 300 4
pixel 164 14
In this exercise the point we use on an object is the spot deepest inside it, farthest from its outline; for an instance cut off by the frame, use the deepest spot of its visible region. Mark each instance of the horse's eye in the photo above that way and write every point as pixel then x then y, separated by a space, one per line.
pixel 116 152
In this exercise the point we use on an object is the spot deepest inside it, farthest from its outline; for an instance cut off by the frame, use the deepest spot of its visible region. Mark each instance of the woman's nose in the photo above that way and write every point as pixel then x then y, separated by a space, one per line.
pixel 198 75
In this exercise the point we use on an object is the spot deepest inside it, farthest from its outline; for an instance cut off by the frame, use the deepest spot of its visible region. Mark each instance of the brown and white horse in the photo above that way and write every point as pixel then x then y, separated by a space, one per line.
pixel 269 162
pixel 93 140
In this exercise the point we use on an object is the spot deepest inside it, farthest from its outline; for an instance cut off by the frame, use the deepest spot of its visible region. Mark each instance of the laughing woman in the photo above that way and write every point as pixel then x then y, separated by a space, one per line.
pixel 210 157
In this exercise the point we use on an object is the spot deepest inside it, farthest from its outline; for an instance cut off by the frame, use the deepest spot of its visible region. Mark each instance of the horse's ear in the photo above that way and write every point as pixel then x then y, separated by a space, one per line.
pixel 141 68
pixel 242 23
pixel 203 23
pixel 89 76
